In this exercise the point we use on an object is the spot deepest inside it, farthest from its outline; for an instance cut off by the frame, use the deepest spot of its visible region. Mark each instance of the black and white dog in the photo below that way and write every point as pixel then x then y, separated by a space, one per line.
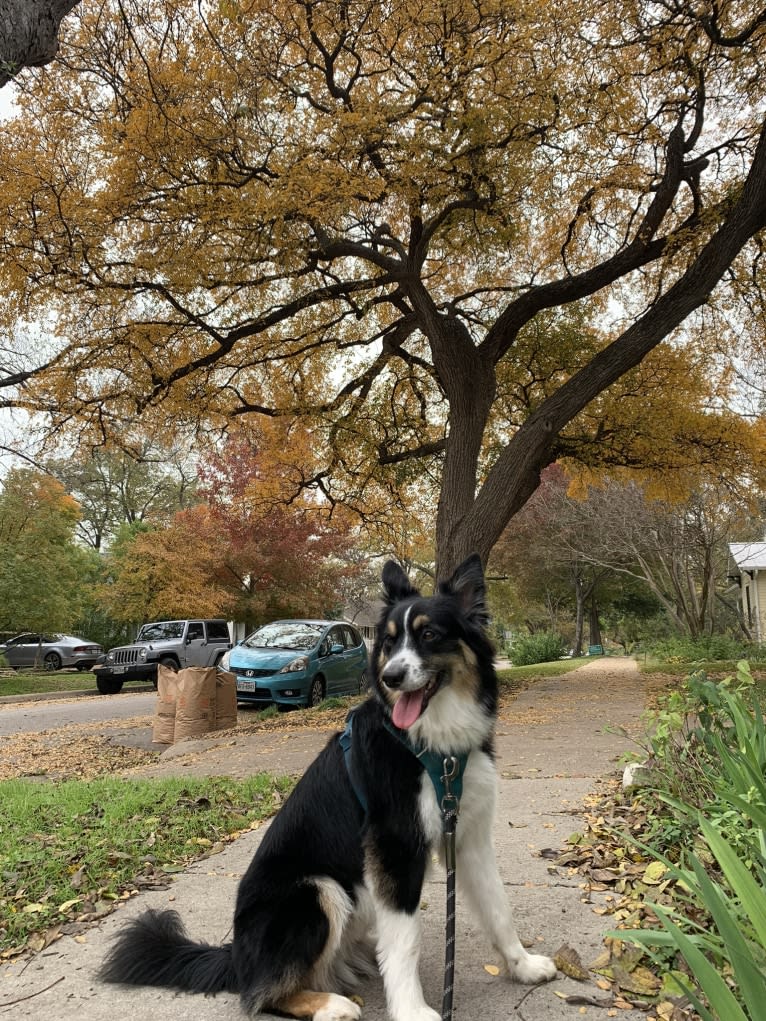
pixel 338 875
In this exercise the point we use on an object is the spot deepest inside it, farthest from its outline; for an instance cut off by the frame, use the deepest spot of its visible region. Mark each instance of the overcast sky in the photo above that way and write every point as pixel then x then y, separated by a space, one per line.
pixel 11 426
pixel 6 100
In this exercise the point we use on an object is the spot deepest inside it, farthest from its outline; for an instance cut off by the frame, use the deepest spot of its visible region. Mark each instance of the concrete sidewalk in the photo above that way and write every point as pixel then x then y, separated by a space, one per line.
pixel 552 752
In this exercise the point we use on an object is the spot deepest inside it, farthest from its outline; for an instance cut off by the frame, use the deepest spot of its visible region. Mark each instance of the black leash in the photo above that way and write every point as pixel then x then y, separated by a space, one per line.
pixel 450 805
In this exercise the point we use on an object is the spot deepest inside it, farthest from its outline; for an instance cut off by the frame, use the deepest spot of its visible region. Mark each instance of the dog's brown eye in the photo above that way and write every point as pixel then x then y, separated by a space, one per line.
pixel 427 634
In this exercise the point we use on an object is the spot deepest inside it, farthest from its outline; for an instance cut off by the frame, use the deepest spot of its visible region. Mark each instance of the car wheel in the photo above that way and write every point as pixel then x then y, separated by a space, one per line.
pixel 81 667
pixel 52 661
pixel 108 685
pixel 316 692
pixel 364 683
pixel 169 662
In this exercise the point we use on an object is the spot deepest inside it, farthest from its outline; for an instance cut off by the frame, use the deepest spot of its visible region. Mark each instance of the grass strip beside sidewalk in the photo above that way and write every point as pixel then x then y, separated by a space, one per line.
pixel 36 682
pixel 71 850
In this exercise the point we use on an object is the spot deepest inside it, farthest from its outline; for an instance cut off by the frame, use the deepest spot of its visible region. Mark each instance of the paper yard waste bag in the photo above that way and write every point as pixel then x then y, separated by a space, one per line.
pixel 225 700
pixel 195 702
pixel 164 722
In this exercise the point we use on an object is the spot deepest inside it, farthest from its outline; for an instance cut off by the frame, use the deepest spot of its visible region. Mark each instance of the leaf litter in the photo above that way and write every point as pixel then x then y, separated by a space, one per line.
pixel 619 881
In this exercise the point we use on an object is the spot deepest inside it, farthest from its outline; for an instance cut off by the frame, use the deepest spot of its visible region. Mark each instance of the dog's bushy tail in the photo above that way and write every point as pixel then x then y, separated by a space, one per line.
pixel 154 950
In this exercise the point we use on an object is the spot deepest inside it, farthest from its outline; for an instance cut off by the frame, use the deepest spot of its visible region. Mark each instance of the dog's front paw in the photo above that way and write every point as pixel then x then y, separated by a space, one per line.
pixel 532 968
pixel 338 1008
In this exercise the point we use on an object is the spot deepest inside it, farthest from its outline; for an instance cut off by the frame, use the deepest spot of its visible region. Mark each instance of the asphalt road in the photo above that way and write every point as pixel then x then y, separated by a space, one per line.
pixel 31 717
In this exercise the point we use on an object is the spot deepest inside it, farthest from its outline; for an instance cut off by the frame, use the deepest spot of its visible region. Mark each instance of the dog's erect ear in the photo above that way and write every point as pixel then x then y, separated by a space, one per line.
pixel 467 583
pixel 396 584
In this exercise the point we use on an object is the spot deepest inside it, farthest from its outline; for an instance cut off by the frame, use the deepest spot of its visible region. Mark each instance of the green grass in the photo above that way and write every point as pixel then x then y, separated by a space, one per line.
pixel 70 850
pixel 560 666
pixel 35 682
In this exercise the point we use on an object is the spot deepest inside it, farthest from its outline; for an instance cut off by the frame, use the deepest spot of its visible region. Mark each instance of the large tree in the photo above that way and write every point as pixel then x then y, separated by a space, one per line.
pixel 118 487
pixel 540 553
pixel 446 233
pixel 44 574
pixel 679 548
pixel 241 553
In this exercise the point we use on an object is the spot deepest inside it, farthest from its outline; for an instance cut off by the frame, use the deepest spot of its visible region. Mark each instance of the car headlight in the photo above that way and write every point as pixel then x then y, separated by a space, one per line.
pixel 110 657
pixel 142 655
pixel 299 663
pixel 224 661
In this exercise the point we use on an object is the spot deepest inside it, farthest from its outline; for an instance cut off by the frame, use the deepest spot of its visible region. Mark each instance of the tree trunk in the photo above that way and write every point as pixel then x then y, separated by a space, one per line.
pixel 579 620
pixel 29 33
pixel 468 380
pixel 582 594
pixel 737 609
pixel 594 622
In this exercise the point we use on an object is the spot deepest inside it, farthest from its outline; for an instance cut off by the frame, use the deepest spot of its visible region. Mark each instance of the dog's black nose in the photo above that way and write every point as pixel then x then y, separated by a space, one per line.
pixel 394 677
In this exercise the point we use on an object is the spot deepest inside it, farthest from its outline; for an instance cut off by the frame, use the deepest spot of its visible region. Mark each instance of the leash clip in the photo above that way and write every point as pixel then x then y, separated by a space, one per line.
pixel 450 802
pixel 450 806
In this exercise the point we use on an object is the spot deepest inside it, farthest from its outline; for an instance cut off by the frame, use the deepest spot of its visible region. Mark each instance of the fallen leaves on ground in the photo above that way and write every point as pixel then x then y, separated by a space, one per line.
pixel 77 751
pixel 567 960
pixel 83 751
pixel 618 883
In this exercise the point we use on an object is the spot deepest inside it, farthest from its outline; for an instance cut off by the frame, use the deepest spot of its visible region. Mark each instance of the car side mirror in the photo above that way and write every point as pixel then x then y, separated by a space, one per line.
pixel 336 649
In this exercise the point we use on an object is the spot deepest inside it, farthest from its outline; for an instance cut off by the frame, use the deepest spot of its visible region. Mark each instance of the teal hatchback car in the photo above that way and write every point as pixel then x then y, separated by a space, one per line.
pixel 298 662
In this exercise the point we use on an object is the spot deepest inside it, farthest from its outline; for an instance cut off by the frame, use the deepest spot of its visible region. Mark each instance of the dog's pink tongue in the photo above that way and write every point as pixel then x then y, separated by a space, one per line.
pixel 407 708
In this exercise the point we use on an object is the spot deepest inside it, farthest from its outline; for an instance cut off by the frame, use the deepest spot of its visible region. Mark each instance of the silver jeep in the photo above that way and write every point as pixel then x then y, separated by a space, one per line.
pixel 174 643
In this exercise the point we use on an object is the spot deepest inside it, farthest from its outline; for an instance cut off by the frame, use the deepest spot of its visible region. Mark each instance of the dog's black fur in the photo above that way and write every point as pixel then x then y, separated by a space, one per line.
pixel 310 880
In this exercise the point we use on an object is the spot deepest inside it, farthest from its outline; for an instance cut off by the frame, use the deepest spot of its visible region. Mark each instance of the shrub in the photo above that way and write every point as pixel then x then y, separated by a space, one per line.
pixel 690 740
pixel 726 955
pixel 538 648
pixel 706 648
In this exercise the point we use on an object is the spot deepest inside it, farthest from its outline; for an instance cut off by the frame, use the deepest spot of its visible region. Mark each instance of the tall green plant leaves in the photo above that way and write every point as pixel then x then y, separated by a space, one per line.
pixel 721 998
pixel 726 955
pixel 751 895
pixel 749 977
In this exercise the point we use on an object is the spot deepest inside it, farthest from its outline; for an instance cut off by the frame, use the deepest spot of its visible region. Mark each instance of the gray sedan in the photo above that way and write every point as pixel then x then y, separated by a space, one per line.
pixel 50 651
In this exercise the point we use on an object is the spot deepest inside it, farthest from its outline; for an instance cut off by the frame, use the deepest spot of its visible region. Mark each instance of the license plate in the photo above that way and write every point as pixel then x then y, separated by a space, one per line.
pixel 245 685
pixel 118 669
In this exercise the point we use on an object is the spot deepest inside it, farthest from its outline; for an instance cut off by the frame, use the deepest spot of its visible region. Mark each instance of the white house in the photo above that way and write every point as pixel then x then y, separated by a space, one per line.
pixel 750 558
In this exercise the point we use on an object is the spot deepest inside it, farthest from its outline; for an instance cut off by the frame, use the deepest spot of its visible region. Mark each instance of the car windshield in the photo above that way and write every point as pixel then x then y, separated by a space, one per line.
pixel 285 634
pixel 162 631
